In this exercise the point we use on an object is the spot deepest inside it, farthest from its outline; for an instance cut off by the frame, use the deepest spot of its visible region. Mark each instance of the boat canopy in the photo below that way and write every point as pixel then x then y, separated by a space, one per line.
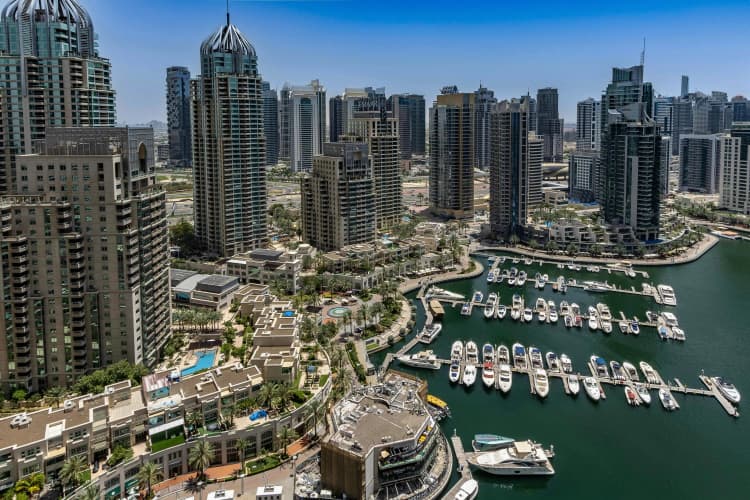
pixel 600 361
pixel 519 350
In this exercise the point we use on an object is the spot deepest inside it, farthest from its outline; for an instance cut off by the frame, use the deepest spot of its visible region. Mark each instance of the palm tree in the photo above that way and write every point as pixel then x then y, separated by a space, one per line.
pixel 200 457
pixel 362 315
pixel 348 319
pixel 242 446
pixel 92 492
pixel 29 485
pixel 282 395
pixel 285 437
pixel 194 420
pixel 314 410
pixel 515 240
pixel 148 474
pixel 55 395
pixel 266 395
pixel 74 470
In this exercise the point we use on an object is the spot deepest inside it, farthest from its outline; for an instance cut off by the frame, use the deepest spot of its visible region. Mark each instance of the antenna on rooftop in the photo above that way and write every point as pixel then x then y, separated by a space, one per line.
pixel 227 12
pixel 643 52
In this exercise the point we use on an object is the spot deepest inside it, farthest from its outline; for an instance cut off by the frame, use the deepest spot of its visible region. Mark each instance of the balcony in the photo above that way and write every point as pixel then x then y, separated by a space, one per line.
pixel 77 323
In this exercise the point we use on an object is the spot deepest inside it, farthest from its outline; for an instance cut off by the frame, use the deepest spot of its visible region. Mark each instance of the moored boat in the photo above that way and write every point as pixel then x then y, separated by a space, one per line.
pixel 470 375
pixel 643 393
pixel 592 388
pixel 667 400
pixel 631 396
pixel 569 321
pixel 553 362
pixel 430 333
pixel 528 315
pixel 489 308
pixel 466 309
pixel 552 312
pixel 505 377
pixel 457 351
pixel 522 277
pixel 454 372
pixel 593 320
pixel 501 311
pixel 523 458
pixel 600 366
pixel 503 354
pixel 541 382
pixel 566 363
pixel 727 389
pixel 618 373
pixel 488 365
pixel 649 373
pixel 630 371
pixel 574 384
pixel 472 353
pixel 535 356
pixel 491 276
pixel 478 297
pixel 422 359
pixel 519 356
pixel 490 442
pixel 635 328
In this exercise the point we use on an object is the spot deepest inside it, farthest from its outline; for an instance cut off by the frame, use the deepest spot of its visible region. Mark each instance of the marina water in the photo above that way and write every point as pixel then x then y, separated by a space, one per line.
pixel 609 449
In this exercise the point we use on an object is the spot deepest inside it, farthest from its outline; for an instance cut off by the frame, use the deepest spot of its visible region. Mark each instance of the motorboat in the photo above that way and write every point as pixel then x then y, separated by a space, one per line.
pixel 652 316
pixel 490 442
pixel 545 277
pixel 605 325
pixel 515 314
pixel 472 353
pixel 561 266
pixel 600 366
pixel 593 320
pixel 517 301
pixel 535 356
pixel 618 373
pixel 630 371
pixel 537 280
pixel 466 309
pixel 519 356
pixel 630 272
pixel 592 388
pixel 649 373
pixel 489 308
pixel 541 304
pixel 528 315
pixel 578 322
pixel 595 286
pixel 541 382
pixel 643 393
pixel 561 286
pixel 553 362
pixel 505 377
pixel 667 295
pixel 478 297
pixel 678 333
pixel 470 375
pixel 502 259
pixel 488 365
pixel 604 312
pixel 542 316
pixel 566 363
pixel 568 320
pixel 523 458
pixel 491 276
pixel 501 311
pixel 667 400
pixel 512 276
pixel 503 354
pixel 422 359
pixel 575 310
pixel 564 308
pixel 623 326
pixel 501 276
pixel 528 261
pixel 439 293
pixel 631 396
pixel 468 491
pixel 454 372
pixel 430 332
pixel 552 312
pixel 635 328
pixel 573 384
pixel 522 277
pixel 727 389
pixel 663 332
pixel 457 351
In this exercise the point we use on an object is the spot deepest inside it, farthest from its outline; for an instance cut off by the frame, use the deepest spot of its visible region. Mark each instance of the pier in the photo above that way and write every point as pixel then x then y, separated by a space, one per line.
pixel 463 467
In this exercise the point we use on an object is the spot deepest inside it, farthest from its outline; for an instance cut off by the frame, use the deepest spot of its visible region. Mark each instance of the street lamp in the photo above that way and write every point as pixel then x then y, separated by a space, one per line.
pixel 242 484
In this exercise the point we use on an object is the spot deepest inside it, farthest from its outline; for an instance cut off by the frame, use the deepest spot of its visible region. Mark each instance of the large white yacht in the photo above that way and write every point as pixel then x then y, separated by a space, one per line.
pixel 505 377
pixel 667 295
pixel 422 359
pixel 727 389
pixel 592 388
pixel 488 365
pixel 470 375
pixel 523 458
pixel 541 382
pixel 574 384
pixel 519 356
pixel 489 308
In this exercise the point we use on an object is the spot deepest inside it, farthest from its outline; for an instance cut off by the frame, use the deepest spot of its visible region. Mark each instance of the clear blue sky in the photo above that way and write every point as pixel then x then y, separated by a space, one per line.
pixel 420 46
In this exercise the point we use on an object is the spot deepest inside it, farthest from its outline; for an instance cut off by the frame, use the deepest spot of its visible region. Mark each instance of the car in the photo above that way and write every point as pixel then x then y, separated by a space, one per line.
pixel 358 330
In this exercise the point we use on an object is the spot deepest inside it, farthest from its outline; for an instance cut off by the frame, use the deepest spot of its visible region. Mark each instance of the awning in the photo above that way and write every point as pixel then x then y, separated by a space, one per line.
pixel 180 422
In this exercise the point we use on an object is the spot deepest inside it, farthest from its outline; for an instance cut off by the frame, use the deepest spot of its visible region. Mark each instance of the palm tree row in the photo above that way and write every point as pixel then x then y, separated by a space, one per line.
pixel 198 320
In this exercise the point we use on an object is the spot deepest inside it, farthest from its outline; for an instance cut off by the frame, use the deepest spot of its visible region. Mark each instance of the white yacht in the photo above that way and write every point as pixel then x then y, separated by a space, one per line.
pixel 522 277
pixel 618 373
pixel 643 393
pixel 515 314
pixel 678 333
pixel 552 312
pixel 593 321
pixel 667 400
pixel 567 364
pixel 541 382
pixel 457 351
pixel 430 333
pixel 649 373
pixel 553 362
pixel 505 377
pixel 624 326
pixel 667 295
pixel 472 353
pixel 488 365
pixel 605 325
pixel 466 309
pixel 519 356
pixel 503 354
pixel 564 308
pixel 535 357
pixel 470 375
pixel 501 311
pixel 489 308
pixel 600 366
pixel 524 458
pixel 604 312
pixel 438 293
pixel 528 315
pixel 512 276
pixel 727 389
pixel 541 305
pixel 468 490
pixel 501 276
pixel 491 276
pixel 630 371
pixel 591 388
pixel 454 372
pixel 574 384
pixel 422 359
pixel 478 297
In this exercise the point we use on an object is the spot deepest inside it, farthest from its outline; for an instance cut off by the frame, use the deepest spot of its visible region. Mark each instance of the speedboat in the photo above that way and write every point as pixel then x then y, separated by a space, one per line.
pixel 678 333
pixel 522 276
pixel 439 293
pixel 667 400
pixel 515 314
pixel 573 384
pixel 519 356
pixel 512 276
pixel 592 388
pixel 490 442
pixel 457 351
pixel 542 316
pixel 606 325
pixel 491 276
pixel 575 310
pixel 553 317
pixel 505 377
pixel 630 273
pixel 604 312
pixel 489 308
pixel 617 371
pixel 727 389
pixel 468 491
pixel 541 382
pixel 541 304
pixel 623 326
pixel 566 363
pixel 535 356
pixel 553 362
pixel 667 295
pixel 528 261
pixel 528 315
pixel 422 359
pixel 523 458
pixel 466 309
pixel 631 397
pixel 630 371
pixel 478 297
pixel 568 320
pixel 649 373
pixel 635 329
pixel 643 393
pixel 488 365
pixel 593 321
pixel 503 354
pixel 472 353
pixel 430 333
pixel 564 308
pixel 500 277
pixel 517 301
pixel 600 366
pixel 501 311
pixel 470 375
pixel 454 372
pixel 578 322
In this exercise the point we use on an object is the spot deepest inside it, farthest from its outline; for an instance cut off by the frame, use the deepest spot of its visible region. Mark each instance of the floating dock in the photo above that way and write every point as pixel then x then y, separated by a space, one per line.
pixel 463 467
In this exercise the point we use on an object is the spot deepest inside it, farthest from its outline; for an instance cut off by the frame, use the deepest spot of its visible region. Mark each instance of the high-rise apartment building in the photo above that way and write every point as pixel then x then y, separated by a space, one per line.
pixel 549 125
pixel 588 125
pixel 178 116
pixel 581 173
pixel 409 110
pixel 341 108
pixel 380 130
pixel 303 124
pixel 740 109
pixel 734 182
pixel 52 76
pixel 338 202
pixel 685 86
pixel 483 104
pixel 452 155
pixel 271 123
pixel 516 169
pixel 229 146
pixel 699 163
pixel 85 258
pixel 663 110
pixel 682 121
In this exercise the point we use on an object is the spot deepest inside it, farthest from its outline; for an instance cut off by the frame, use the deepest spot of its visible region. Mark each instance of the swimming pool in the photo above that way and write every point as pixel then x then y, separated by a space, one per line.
pixel 338 312
pixel 205 360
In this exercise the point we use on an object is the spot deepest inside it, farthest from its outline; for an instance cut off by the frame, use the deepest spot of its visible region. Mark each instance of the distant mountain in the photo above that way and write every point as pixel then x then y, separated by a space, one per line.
pixel 157 125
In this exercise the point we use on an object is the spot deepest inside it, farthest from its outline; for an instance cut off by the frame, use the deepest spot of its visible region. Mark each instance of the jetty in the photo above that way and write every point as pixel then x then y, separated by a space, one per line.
pixel 463 467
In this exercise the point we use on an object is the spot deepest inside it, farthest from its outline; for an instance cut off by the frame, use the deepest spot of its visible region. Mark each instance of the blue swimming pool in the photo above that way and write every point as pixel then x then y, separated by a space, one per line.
pixel 205 360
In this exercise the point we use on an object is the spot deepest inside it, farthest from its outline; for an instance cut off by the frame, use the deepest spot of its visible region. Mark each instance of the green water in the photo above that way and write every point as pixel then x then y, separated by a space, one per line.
pixel 608 450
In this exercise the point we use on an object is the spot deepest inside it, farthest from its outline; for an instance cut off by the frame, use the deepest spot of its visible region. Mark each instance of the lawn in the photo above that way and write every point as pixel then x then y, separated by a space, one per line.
pixel 263 464
pixel 323 380
pixel 167 443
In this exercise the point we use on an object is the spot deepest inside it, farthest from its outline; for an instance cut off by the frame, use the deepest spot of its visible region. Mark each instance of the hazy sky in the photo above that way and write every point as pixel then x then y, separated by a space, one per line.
pixel 420 46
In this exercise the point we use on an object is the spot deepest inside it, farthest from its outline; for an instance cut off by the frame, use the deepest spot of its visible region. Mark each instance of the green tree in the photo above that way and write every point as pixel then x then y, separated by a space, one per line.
pixel 194 421
pixel 30 485
pixel 282 396
pixel 148 475
pixel 183 235
pixel 18 395
pixel 314 411
pixel 242 447
pixel 55 395
pixel 200 457
pixel 73 471
pixel 286 436
pixel 91 492
pixel 266 395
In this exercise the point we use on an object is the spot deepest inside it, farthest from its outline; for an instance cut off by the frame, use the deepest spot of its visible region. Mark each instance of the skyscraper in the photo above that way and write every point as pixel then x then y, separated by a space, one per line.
pixel 303 124
pixel 452 155
pixel 685 86
pixel 229 145
pixel 271 123
pixel 734 183
pixel 338 202
pixel 549 125
pixel 699 162
pixel 483 104
pixel 588 126
pixel 342 107
pixel 663 109
pixel 410 112
pixel 54 77
pixel 178 116
pixel 379 129
pixel 515 170
pixel 90 272
pixel 682 121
